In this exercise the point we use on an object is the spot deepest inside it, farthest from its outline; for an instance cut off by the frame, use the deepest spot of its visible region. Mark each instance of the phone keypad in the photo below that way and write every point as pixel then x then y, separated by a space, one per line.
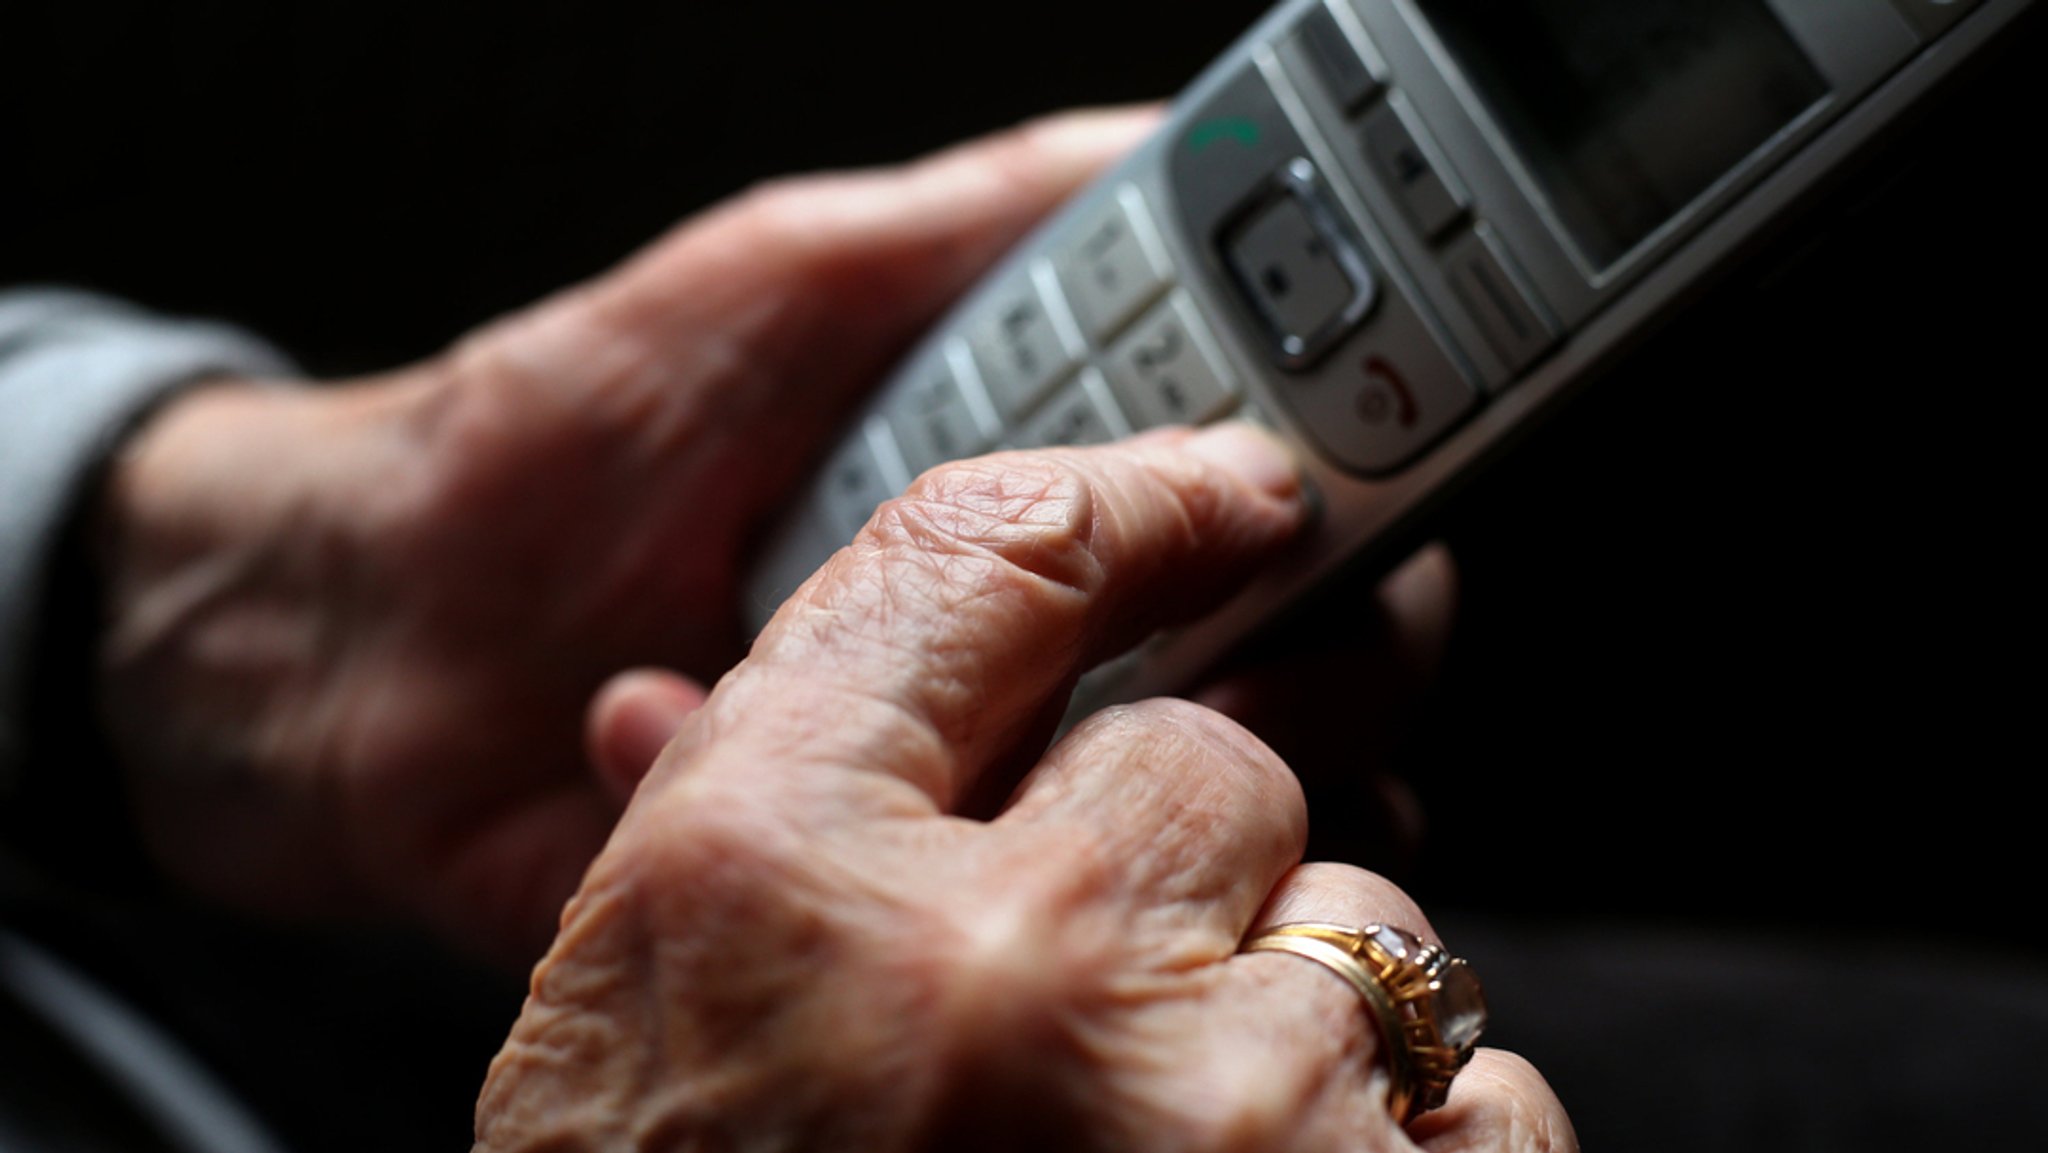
pixel 1138 354
pixel 1090 344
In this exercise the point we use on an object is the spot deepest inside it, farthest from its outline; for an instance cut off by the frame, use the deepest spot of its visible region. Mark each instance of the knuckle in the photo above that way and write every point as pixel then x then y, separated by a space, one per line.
pixel 1019 155
pixel 1013 157
pixel 1028 517
pixel 1220 763
pixel 1047 152
pixel 1020 964
pixel 1000 959
pixel 775 204
pixel 784 215
pixel 709 843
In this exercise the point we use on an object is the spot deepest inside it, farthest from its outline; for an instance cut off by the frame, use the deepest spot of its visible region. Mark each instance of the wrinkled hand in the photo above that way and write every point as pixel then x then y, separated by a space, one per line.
pixel 796 941
pixel 352 631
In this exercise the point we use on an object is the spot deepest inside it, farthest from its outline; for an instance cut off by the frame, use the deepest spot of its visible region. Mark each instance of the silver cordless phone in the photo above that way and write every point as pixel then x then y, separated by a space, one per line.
pixel 1394 231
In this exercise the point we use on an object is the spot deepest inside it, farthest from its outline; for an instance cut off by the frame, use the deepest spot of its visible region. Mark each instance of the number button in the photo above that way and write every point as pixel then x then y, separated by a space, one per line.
pixel 1020 348
pixel 1168 372
pixel 933 419
pixel 1114 267
pixel 1079 414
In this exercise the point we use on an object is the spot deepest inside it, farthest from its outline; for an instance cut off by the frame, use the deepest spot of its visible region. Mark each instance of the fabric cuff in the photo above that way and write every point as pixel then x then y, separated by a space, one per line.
pixel 77 372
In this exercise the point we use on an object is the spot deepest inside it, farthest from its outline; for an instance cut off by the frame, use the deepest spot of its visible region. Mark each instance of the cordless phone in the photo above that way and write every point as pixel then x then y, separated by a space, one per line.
pixel 1393 231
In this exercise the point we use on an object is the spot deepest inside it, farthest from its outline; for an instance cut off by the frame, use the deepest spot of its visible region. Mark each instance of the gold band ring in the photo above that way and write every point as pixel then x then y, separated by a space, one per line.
pixel 1427 1004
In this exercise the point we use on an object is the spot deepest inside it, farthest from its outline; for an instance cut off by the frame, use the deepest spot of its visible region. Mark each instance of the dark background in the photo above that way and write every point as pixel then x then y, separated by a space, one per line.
pixel 1748 635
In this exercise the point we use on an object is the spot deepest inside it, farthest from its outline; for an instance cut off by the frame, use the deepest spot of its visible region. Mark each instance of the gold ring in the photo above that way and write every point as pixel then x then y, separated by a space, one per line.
pixel 1428 1004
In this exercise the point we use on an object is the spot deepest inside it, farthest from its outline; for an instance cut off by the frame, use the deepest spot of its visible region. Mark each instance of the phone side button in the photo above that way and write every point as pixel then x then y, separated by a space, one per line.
pixel 1479 274
pixel 1350 78
pixel 1412 169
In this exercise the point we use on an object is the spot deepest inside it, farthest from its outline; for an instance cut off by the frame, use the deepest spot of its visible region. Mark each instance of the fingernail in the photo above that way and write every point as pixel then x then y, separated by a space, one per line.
pixel 1251 453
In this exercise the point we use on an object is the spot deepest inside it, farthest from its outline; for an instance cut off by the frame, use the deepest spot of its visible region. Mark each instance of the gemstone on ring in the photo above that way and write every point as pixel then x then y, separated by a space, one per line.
pixel 1459 1006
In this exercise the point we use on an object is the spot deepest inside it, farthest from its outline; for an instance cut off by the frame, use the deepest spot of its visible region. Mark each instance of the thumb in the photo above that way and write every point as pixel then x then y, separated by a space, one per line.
pixel 632 718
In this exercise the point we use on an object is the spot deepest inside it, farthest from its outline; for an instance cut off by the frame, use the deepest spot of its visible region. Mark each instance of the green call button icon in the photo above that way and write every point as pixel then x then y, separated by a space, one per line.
pixel 1208 132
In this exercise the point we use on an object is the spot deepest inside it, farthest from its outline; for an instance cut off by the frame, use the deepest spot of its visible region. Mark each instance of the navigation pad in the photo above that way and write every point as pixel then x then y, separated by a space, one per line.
pixel 1298 269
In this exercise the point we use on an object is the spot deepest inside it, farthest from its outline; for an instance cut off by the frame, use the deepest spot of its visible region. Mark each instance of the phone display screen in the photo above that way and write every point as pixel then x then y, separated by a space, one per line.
pixel 1625 111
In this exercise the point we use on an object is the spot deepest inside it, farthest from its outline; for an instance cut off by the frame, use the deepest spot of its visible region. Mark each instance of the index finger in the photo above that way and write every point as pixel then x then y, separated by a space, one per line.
pixel 952 628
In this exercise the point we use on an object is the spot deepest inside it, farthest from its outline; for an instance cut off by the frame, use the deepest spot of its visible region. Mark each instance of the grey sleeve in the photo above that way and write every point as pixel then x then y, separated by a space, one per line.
pixel 76 371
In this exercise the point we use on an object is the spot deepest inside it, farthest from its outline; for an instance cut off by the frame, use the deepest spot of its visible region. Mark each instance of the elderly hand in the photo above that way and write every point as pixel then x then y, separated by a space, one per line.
pixel 352 631
pixel 800 938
